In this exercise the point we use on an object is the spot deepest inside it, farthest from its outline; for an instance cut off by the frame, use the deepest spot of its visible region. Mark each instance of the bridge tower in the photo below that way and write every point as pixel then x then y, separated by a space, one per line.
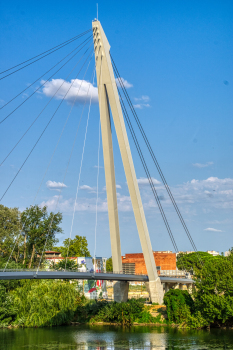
pixel 109 98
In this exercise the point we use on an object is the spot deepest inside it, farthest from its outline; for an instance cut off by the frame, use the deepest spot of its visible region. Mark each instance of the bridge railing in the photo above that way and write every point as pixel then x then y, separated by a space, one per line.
pixel 174 273
pixel 70 271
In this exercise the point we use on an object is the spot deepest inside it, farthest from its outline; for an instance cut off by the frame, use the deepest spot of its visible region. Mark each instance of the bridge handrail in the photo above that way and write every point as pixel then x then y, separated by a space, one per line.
pixel 70 271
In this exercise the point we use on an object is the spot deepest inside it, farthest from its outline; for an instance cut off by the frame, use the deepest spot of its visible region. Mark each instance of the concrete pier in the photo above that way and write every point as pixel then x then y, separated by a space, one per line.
pixel 120 291
pixel 155 290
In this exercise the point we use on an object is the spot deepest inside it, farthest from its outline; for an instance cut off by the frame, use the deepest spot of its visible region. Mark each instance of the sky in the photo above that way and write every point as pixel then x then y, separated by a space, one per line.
pixel 176 61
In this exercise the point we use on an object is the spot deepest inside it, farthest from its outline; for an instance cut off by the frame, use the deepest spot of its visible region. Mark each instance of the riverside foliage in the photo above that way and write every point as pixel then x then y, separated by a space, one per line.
pixel 211 304
pixel 38 303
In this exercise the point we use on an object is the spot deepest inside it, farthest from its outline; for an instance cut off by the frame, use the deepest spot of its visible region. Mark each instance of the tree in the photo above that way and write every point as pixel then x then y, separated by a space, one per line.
pixel 9 231
pixel 68 264
pixel 109 266
pixel 39 230
pixel 75 247
pixel 194 261
pixel 214 291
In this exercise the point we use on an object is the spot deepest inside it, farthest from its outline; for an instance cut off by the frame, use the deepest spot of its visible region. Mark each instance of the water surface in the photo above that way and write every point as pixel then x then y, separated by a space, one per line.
pixel 110 337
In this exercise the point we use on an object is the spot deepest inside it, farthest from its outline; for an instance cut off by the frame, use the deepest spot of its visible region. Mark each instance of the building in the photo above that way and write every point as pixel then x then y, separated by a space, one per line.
pixel 212 252
pixel 227 253
pixel 135 263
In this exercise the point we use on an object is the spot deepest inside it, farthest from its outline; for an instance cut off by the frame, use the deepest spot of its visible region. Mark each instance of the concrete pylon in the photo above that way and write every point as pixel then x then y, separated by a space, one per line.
pixel 108 96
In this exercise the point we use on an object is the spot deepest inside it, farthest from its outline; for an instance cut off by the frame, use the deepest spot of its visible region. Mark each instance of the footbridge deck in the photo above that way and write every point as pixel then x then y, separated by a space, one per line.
pixel 18 275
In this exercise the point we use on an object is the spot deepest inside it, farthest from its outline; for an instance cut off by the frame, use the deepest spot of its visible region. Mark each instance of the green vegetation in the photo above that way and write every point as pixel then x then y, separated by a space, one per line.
pixel 125 313
pixel 77 247
pixel 194 261
pixel 211 304
pixel 31 229
pixel 109 266
pixel 38 303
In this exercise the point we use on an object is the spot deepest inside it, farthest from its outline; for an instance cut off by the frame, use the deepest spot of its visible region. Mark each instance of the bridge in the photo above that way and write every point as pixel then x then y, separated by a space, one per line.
pixel 113 96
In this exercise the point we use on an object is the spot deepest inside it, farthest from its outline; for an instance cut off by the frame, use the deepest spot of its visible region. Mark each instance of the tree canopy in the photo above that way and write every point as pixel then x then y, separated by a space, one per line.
pixel 74 247
pixel 194 261
pixel 26 234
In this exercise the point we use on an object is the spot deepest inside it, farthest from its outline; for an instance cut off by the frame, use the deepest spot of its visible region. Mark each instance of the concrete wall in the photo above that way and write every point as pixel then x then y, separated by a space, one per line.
pixel 166 261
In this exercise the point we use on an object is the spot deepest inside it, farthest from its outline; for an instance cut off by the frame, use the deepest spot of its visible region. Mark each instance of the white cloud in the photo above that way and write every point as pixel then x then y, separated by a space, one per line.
pixel 212 229
pixel 143 98
pixel 126 84
pixel 142 102
pixel 144 181
pixel 53 185
pixel 80 90
pixel 118 186
pixel 86 204
pixel 199 165
pixel 86 187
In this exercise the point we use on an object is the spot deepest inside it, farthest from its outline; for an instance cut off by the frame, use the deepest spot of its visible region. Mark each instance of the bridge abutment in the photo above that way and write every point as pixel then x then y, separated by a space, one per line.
pixel 155 290
pixel 120 291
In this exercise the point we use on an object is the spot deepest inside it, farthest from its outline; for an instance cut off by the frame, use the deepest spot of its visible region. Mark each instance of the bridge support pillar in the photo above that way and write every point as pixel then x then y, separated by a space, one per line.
pixel 120 291
pixel 167 287
pixel 155 290
pixel 181 286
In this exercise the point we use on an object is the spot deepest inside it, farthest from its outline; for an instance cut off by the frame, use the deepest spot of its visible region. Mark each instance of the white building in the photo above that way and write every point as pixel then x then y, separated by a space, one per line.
pixel 212 252
pixel 227 253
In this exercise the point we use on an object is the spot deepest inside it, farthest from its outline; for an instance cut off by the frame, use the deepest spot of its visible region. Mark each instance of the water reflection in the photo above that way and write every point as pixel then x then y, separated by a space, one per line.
pixel 114 338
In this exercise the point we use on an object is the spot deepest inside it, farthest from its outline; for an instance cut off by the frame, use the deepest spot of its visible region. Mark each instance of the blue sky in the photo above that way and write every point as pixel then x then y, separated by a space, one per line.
pixel 176 57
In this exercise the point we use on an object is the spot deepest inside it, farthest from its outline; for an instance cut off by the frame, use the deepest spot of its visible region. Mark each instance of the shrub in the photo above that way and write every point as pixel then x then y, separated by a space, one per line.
pixel 179 305
pixel 45 303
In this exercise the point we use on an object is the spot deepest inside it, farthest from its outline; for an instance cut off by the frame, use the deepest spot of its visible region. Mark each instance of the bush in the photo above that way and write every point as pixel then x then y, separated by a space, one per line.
pixel 8 310
pixel 45 303
pixel 179 305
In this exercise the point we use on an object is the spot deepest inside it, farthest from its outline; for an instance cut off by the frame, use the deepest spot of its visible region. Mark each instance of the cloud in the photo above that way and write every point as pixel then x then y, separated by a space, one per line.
pixel 143 98
pixel 141 105
pixel 144 181
pixel 126 84
pixel 199 165
pixel 86 187
pixel 80 90
pixel 86 204
pixel 53 185
pixel 143 102
pixel 212 229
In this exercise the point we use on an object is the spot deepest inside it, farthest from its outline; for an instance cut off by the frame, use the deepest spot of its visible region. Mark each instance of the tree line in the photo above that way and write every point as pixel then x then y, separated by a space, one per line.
pixel 25 235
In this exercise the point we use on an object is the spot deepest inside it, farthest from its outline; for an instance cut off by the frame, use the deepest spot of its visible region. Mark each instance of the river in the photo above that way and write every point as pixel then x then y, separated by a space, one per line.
pixel 111 337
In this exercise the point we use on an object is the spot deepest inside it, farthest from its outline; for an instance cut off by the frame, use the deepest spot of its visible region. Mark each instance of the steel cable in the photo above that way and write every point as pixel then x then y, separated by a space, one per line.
pixel 42 75
pixel 17 237
pixel 36 60
pixel 42 110
pixel 147 172
pixel 40 136
pixel 44 83
pixel 62 183
pixel 155 161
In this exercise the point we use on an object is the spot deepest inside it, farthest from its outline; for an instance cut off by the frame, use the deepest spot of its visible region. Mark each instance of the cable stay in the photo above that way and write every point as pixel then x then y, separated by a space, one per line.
pixel 64 176
pixel 42 75
pixel 145 167
pixel 17 237
pixel 70 41
pixel 80 171
pixel 46 80
pixel 42 133
pixel 153 157
pixel 42 111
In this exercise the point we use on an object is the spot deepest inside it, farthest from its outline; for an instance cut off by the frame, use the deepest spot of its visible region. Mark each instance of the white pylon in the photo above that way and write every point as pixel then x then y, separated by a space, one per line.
pixel 108 96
